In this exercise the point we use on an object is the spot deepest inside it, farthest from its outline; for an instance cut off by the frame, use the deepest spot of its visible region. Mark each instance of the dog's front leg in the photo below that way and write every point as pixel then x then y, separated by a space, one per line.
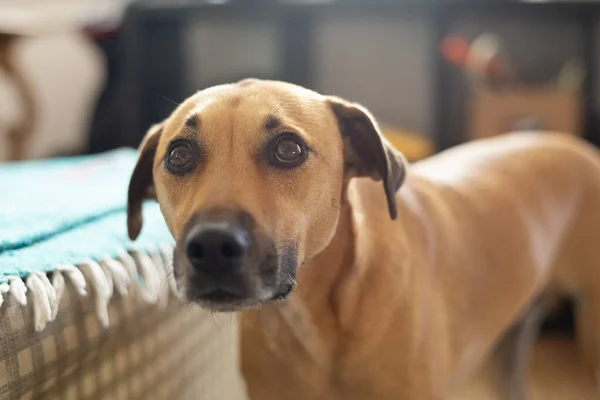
pixel 514 351
pixel 587 319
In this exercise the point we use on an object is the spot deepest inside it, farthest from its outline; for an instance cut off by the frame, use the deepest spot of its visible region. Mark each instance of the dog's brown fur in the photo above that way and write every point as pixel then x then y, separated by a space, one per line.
pixel 402 308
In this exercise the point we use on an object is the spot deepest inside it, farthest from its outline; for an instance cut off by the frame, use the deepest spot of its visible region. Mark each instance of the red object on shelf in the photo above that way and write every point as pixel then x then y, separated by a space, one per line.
pixel 455 49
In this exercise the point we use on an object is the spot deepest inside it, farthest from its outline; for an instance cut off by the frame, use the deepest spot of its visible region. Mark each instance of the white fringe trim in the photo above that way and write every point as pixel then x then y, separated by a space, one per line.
pixel 150 273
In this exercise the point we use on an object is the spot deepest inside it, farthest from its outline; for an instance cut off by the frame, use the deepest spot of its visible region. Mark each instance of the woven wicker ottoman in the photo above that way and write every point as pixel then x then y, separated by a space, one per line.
pixel 148 351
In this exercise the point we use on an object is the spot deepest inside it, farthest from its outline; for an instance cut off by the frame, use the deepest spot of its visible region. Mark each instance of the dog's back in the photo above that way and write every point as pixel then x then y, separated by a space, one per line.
pixel 538 195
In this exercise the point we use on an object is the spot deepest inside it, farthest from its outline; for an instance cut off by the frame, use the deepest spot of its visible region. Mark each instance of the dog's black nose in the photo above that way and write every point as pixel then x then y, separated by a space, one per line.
pixel 217 247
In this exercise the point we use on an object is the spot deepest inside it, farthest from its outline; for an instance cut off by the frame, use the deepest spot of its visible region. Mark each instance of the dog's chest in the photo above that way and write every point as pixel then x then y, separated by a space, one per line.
pixel 284 356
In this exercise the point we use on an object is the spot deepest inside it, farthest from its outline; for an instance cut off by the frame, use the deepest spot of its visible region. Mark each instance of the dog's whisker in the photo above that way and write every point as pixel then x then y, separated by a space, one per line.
pixel 172 101
pixel 166 279
pixel 277 110
pixel 215 319
pixel 189 307
pixel 164 284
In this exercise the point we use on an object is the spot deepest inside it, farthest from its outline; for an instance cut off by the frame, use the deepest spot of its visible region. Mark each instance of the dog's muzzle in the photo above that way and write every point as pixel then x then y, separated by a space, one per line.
pixel 224 263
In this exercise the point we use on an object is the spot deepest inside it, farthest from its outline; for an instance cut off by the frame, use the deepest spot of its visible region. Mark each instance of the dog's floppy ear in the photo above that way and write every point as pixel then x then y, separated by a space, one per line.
pixel 367 152
pixel 141 184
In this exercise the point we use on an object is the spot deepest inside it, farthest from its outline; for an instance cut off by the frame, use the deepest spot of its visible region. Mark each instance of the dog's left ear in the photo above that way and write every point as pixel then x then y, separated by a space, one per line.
pixel 367 152
pixel 141 184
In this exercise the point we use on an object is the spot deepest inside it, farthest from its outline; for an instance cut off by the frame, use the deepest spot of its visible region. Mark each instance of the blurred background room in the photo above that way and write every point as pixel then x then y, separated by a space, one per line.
pixel 93 75
pixel 87 76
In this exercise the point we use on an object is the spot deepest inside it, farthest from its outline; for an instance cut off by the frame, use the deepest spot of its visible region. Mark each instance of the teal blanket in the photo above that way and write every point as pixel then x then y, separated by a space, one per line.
pixel 68 210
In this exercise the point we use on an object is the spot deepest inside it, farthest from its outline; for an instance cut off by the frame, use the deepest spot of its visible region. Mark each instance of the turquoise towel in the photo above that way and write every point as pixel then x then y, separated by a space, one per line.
pixel 68 210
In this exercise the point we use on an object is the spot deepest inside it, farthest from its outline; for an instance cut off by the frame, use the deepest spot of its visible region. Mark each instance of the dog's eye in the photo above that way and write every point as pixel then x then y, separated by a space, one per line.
pixel 288 151
pixel 179 157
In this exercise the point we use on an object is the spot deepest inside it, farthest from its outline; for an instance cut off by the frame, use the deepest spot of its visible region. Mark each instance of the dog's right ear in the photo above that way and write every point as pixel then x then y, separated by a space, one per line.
pixel 141 184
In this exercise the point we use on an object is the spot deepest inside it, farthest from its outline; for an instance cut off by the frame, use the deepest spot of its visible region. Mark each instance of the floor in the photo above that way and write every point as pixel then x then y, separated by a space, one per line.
pixel 556 374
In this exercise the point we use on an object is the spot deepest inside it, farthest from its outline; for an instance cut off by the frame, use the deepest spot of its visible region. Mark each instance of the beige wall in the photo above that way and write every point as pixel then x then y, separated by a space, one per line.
pixel 218 49
pixel 383 62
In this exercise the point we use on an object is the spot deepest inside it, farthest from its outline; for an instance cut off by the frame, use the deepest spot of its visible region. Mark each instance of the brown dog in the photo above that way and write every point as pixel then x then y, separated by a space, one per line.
pixel 399 294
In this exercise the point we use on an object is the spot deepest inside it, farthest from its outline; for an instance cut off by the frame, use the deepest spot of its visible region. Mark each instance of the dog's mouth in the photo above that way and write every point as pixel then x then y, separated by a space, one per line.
pixel 220 296
pixel 234 294
pixel 224 296
pixel 226 301
pixel 285 293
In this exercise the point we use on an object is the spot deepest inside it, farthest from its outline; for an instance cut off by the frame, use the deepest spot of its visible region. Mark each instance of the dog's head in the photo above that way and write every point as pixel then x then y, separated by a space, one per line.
pixel 250 178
